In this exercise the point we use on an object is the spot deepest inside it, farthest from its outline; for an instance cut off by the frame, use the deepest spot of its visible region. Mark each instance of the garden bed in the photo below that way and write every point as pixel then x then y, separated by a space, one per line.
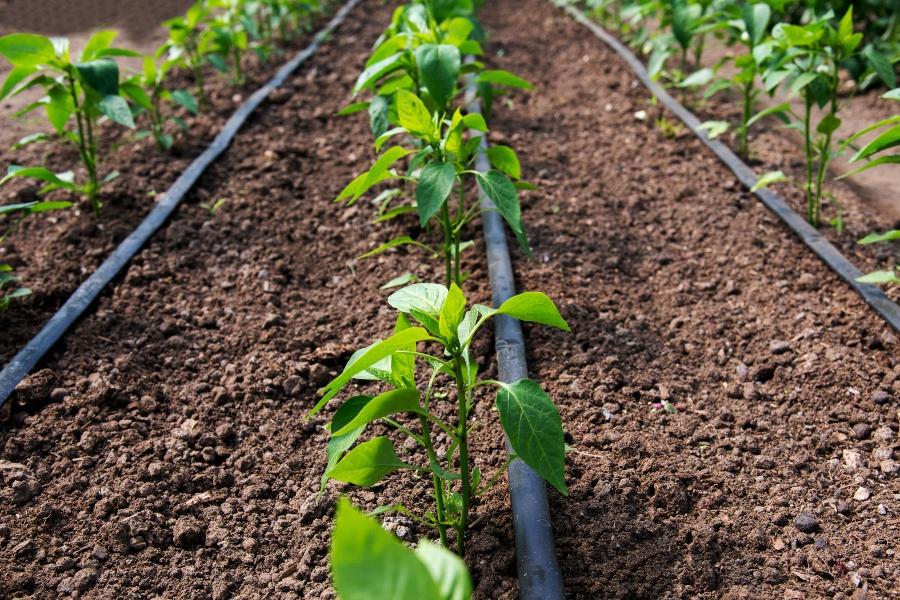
pixel 162 448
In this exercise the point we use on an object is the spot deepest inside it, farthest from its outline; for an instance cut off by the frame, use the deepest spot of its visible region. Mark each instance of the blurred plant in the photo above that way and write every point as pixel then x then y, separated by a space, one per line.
pixel 149 93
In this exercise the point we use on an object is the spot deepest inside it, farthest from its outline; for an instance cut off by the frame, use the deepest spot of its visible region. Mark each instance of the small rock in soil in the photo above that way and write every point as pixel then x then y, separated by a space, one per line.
pixel 884 434
pixel 843 507
pixel 84 579
pixel 59 394
pixel 852 459
pixel 862 431
pixel 862 493
pixel 881 397
pixel 188 533
pixel 779 347
pixel 806 522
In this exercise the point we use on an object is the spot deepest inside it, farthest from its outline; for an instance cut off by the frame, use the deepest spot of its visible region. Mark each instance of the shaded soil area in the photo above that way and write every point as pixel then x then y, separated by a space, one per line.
pixel 732 405
pixel 162 450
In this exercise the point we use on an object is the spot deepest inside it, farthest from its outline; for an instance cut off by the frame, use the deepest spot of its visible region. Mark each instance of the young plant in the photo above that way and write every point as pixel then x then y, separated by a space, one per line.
pixel 189 44
pixel 440 170
pixel 78 95
pixel 233 30
pixel 368 563
pixel 527 414
pixel 149 93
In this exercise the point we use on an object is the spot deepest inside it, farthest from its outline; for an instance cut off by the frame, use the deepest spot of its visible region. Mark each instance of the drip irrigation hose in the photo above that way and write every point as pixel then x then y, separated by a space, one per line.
pixel 831 256
pixel 539 575
pixel 87 292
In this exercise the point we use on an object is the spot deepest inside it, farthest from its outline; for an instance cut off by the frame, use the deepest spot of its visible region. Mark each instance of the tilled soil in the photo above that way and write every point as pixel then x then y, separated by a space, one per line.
pixel 732 404
pixel 162 451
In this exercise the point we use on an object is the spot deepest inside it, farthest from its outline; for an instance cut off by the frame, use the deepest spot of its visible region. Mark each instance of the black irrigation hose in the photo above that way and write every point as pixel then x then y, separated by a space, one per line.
pixel 830 255
pixel 88 291
pixel 539 575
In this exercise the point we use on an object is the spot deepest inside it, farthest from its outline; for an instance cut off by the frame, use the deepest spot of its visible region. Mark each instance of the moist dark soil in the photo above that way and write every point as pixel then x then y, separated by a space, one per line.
pixel 162 451
pixel 732 404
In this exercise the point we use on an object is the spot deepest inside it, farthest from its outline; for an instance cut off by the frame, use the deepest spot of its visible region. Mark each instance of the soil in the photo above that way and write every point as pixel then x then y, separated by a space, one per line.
pixel 161 450
pixel 775 476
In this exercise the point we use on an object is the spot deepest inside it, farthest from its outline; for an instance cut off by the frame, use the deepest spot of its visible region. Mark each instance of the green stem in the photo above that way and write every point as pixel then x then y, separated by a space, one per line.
pixel 812 215
pixel 825 150
pixel 743 146
pixel 448 244
pixel 436 481
pixel 83 144
pixel 462 436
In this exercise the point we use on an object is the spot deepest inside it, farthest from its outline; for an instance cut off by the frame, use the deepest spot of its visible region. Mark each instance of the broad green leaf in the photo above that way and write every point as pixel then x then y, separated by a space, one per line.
pixel 16 75
pixel 829 124
pixel 767 179
pixel 879 277
pixel 504 78
pixel 698 78
pixel 892 95
pixel 377 352
pixel 756 21
pixel 339 444
pixel 503 194
pixel 375 72
pixel 778 110
pixel 434 187
pixel 891 159
pixel 447 570
pixel 186 100
pixel 796 35
pixel 383 405
pixel 452 312
pixel 438 69
pixel 379 109
pixel 366 464
pixel 413 115
pixel 26 49
pixel 101 75
pixel 714 129
pixel 533 307
pixel 505 159
pixel 368 563
pixel 117 109
pixel 97 42
pixel 137 94
pixel 352 109
pixel 403 364
pixel 40 173
pixel 882 65
pixel 475 121
pixel 887 236
pixel 399 280
pixel 885 140
pixel 425 297
pixel 534 429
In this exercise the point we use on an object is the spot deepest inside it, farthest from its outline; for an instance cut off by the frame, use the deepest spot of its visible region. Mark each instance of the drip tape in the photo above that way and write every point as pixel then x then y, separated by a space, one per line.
pixel 80 300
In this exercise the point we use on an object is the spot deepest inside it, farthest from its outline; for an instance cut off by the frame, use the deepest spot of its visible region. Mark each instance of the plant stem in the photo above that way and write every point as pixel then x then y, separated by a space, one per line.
pixel 825 149
pixel 812 215
pixel 462 435
pixel 743 146
pixel 448 244
pixel 83 144
pixel 438 484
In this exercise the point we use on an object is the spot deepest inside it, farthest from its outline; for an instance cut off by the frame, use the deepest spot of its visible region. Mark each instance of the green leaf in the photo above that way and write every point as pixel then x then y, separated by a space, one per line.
pixel 881 65
pixel 884 160
pixel 533 307
pixel 402 240
pixel 505 159
pixel 102 75
pixel 452 311
pixel 534 429
pixel 497 186
pixel 186 100
pixel 413 115
pixel 874 238
pixel 375 72
pixel 714 129
pixel 767 179
pixel 339 444
pixel 117 109
pixel 879 277
pixel 475 121
pixel 379 109
pixel 427 298
pixel 756 21
pixel 16 75
pixel 778 110
pixel 40 173
pixel 97 42
pixel 828 124
pixel 26 49
pixel 885 140
pixel 796 35
pixel 378 351
pixel 352 109
pixel 383 405
pixel 698 78
pixel 398 281
pixel 447 570
pixel 368 563
pixel 892 95
pixel 434 187
pixel 504 78
pixel 366 464
pixel 438 70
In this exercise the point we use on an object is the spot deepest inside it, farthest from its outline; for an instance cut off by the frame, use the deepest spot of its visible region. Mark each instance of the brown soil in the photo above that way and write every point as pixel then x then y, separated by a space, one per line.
pixel 162 450
pixel 682 288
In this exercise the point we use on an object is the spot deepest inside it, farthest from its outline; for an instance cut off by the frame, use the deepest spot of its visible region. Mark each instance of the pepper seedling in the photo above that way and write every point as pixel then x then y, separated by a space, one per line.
pixel 443 150
pixel 189 44
pixel 78 95
pixel 527 414
pixel 148 91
